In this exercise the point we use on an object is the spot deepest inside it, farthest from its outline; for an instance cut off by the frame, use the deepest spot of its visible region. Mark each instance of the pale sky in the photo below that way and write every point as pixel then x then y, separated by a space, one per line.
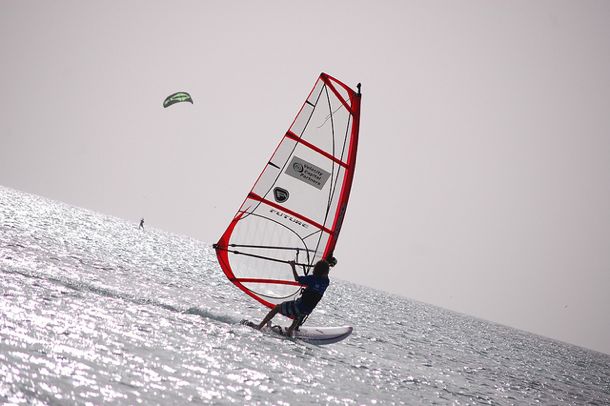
pixel 483 176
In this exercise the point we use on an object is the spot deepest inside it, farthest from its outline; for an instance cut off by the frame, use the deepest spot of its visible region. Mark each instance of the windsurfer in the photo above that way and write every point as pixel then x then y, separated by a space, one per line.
pixel 298 309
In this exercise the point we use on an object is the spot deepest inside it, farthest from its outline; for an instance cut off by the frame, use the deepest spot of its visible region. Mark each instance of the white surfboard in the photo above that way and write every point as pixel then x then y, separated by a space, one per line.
pixel 310 334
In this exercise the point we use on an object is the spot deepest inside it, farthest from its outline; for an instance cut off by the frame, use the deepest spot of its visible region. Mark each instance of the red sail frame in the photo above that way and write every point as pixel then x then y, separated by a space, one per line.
pixel 353 107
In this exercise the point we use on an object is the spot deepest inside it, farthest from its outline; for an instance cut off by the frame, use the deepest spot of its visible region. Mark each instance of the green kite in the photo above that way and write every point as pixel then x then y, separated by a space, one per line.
pixel 177 98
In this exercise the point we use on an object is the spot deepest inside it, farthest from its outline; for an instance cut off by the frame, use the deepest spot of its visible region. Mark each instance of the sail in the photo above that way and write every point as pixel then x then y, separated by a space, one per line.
pixel 297 205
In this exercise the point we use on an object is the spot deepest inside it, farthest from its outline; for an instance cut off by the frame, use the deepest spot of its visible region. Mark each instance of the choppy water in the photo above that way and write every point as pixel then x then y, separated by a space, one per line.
pixel 95 311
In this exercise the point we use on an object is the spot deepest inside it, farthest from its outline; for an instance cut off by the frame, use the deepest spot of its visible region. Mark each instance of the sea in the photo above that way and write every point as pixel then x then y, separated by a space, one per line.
pixel 94 311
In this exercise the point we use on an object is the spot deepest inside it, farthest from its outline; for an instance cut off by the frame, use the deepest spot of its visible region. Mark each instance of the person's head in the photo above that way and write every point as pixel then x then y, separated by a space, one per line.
pixel 321 268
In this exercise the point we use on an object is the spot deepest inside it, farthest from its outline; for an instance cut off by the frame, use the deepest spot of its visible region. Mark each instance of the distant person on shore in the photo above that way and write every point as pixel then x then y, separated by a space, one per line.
pixel 141 224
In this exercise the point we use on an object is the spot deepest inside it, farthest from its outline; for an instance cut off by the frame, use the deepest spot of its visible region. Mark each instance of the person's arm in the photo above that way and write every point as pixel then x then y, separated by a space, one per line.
pixel 294 270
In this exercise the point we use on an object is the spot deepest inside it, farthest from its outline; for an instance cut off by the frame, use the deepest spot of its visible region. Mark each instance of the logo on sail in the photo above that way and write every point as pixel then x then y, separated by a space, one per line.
pixel 280 195
pixel 307 172
pixel 288 217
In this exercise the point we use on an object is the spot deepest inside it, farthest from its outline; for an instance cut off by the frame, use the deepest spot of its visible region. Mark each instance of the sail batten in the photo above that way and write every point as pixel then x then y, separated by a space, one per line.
pixel 289 213
pixel 296 208
pixel 295 137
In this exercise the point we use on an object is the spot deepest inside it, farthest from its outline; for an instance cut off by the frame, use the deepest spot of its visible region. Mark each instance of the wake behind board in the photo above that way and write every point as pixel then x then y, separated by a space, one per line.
pixel 311 335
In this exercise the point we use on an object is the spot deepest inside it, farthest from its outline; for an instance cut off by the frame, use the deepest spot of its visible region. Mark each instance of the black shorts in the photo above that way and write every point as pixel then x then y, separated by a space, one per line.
pixel 291 309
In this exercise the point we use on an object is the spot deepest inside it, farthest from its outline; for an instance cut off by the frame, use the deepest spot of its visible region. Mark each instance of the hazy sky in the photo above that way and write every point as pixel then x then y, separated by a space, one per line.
pixel 483 176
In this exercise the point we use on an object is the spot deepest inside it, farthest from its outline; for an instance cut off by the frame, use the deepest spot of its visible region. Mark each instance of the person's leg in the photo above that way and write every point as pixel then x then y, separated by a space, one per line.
pixel 295 324
pixel 269 316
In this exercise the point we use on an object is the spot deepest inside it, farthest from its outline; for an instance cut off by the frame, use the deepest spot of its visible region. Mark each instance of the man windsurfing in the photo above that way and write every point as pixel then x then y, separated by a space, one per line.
pixel 300 308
